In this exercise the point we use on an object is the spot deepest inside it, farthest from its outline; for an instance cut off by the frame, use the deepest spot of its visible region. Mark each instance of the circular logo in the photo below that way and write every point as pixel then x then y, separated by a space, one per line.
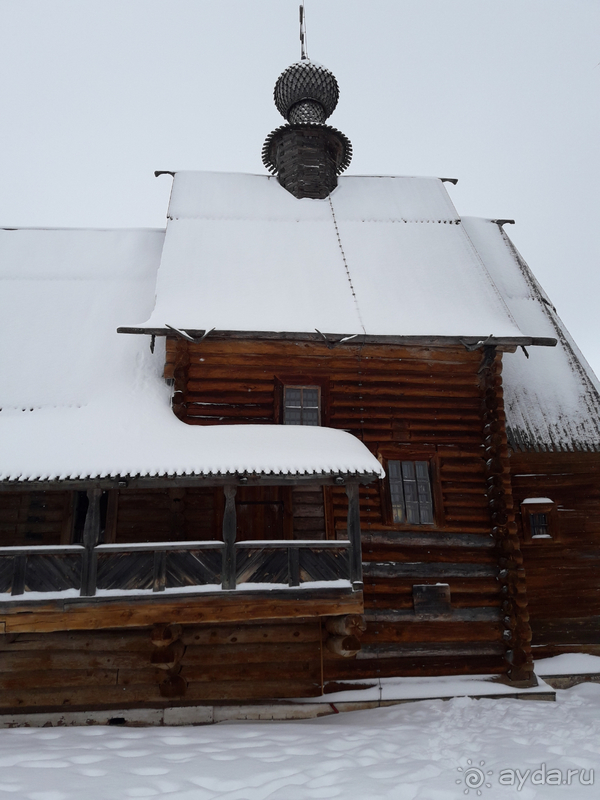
pixel 474 777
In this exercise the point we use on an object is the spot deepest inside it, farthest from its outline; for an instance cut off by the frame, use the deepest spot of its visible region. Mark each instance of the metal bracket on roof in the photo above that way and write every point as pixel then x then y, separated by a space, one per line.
pixel 186 336
pixel 331 344
pixel 449 180
pixel 501 222
pixel 477 345
pixel 158 172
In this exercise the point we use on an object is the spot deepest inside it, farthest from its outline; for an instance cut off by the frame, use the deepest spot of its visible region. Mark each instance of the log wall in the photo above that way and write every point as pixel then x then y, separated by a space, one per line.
pixel 88 670
pixel 563 577
pixel 427 404
pixel 402 402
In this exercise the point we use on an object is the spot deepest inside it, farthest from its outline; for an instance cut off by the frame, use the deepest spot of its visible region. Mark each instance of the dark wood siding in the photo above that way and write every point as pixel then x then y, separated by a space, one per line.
pixel 33 518
pixel 410 403
pixel 563 575
pixel 99 669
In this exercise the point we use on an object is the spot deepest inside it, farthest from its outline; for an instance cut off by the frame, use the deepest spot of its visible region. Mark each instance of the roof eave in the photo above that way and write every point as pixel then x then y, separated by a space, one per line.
pixel 334 339
pixel 337 478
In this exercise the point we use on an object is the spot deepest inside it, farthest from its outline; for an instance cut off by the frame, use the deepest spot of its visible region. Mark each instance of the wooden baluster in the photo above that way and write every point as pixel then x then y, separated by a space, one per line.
pixel 294 566
pixel 354 536
pixel 18 579
pixel 228 578
pixel 91 536
pixel 159 580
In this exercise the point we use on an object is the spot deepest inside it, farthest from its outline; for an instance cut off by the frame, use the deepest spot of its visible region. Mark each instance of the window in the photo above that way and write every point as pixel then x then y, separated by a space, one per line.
pixel 410 492
pixel 539 518
pixel 301 405
pixel 539 526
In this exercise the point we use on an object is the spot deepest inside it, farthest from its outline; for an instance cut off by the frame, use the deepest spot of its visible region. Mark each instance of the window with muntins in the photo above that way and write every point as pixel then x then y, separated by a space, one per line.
pixel 301 405
pixel 540 526
pixel 410 492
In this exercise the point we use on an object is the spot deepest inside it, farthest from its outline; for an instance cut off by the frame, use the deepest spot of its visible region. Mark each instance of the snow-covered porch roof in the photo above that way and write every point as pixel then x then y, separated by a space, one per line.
pixel 159 450
pixel 80 403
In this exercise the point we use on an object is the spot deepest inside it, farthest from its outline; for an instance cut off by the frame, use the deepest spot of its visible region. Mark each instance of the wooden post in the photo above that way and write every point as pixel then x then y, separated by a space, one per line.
pixel 18 578
pixel 294 566
pixel 228 578
pixel 91 536
pixel 354 536
pixel 159 579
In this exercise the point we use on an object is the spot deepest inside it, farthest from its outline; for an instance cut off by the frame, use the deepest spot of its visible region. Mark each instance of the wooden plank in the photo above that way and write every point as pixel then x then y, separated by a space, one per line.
pixel 71 660
pixel 253 653
pixel 431 650
pixel 447 630
pixel 399 569
pixel 410 666
pixel 24 680
pixel 194 609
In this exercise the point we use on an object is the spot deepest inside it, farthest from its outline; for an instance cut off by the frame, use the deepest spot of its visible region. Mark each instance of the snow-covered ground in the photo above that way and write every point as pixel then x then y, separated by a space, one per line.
pixel 432 750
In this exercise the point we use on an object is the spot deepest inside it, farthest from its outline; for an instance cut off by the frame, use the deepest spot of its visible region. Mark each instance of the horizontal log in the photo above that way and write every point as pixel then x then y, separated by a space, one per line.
pixel 458 615
pixel 448 630
pixel 261 345
pixel 71 660
pixel 451 555
pixel 343 669
pixel 257 653
pixel 253 633
pixel 263 671
pixel 84 698
pixel 431 650
pixel 252 690
pixel 23 680
pixel 130 640
pixel 190 609
pixel 419 538
pixel 428 569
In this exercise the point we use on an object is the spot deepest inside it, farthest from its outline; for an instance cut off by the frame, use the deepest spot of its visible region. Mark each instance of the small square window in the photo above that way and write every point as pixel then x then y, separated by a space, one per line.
pixel 301 405
pixel 410 492
pixel 539 518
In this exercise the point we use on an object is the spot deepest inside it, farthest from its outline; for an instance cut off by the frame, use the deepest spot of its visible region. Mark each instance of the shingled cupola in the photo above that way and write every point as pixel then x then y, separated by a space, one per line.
pixel 306 155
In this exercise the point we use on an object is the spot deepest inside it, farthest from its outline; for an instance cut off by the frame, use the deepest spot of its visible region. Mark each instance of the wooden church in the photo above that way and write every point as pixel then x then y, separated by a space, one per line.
pixel 319 432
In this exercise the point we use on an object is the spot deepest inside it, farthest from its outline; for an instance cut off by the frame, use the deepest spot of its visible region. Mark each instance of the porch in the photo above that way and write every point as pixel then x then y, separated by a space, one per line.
pixel 93 584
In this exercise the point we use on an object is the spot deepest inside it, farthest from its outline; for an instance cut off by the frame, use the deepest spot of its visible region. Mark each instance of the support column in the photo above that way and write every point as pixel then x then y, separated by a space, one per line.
pixel 228 578
pixel 354 537
pixel 91 537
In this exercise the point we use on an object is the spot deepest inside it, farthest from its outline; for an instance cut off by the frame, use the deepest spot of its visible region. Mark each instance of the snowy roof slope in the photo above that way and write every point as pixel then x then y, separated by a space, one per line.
pixel 387 256
pixel 552 398
pixel 78 400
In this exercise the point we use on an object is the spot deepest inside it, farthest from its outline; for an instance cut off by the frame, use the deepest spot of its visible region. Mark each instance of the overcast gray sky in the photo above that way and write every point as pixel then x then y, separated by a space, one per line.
pixel 501 94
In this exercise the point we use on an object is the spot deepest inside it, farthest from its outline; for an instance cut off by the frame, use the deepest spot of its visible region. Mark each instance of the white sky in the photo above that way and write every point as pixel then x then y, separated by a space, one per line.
pixel 502 94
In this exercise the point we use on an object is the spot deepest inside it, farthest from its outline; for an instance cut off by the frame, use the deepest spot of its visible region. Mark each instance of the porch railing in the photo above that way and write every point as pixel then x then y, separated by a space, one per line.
pixel 91 568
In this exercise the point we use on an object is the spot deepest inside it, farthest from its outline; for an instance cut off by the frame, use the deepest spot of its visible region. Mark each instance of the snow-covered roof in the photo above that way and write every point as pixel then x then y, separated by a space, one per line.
pixel 551 395
pixel 383 256
pixel 80 401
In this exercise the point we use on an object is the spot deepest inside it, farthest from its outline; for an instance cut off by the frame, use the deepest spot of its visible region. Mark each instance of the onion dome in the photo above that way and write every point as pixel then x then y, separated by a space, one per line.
pixel 306 92
pixel 307 155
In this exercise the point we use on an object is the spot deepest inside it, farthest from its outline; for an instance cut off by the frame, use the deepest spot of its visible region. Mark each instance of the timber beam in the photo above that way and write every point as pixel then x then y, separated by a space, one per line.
pixel 187 481
pixel 509 343
pixel 93 613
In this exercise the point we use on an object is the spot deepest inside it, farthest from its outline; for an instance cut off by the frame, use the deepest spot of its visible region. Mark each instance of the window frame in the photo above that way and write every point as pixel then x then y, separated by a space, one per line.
pixel 548 508
pixel 302 407
pixel 414 455
pixel 301 381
